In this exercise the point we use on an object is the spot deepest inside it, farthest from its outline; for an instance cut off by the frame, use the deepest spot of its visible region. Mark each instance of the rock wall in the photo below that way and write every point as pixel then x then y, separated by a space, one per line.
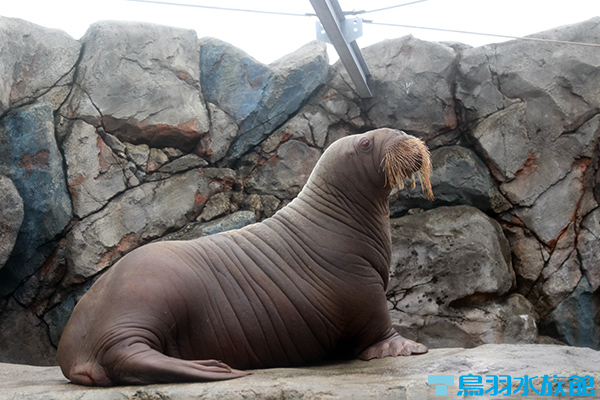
pixel 138 133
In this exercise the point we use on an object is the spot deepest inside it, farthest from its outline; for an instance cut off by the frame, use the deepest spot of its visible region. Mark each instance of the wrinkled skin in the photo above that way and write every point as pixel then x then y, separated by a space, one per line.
pixel 306 285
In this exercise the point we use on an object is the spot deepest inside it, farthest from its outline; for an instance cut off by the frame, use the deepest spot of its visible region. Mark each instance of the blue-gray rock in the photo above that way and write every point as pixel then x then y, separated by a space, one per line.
pixel 576 320
pixel 23 337
pixel 459 177
pixel 58 317
pixel 31 159
pixel 257 96
pixel 36 62
pixel 11 209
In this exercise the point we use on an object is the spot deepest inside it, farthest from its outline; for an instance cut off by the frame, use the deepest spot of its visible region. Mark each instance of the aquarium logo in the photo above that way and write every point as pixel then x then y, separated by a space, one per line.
pixel 445 380
pixel 502 385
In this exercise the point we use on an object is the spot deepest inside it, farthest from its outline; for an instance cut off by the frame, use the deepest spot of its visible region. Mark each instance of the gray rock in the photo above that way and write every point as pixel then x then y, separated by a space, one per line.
pixel 549 161
pixel 184 163
pixel 138 154
pixel 560 275
pixel 504 139
pixel 400 378
pixel 554 209
pixel 445 263
pixel 58 317
pixel 34 347
pixel 156 159
pixel 11 209
pixel 589 248
pixel 446 255
pixel 459 177
pixel 32 160
pixel 491 77
pixel 576 320
pixel 507 320
pixel 140 82
pixel 223 130
pixel 528 257
pixel 257 96
pixel 284 174
pixel 270 204
pixel 36 62
pixel 412 85
pixel 95 174
pixel 533 124
pixel 216 206
pixel 136 217
pixel 195 230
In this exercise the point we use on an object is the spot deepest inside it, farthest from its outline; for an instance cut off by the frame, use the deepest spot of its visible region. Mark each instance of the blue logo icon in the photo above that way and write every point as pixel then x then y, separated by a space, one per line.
pixel 444 380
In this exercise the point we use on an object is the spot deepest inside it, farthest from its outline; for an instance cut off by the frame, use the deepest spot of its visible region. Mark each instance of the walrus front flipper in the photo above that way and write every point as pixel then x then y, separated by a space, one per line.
pixel 393 346
pixel 151 366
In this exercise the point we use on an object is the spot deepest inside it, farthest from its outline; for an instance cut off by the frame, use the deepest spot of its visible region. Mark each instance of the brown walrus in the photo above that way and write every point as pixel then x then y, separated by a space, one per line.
pixel 305 285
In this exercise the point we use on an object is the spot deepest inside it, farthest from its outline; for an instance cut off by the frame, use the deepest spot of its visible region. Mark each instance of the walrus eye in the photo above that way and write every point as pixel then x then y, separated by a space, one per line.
pixel 366 144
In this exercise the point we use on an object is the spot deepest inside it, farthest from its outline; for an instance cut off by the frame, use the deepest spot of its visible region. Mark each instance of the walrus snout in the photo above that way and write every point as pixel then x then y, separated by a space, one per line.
pixel 407 158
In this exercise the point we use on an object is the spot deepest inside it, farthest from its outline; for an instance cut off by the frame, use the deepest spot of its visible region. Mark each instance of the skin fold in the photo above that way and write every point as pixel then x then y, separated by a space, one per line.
pixel 305 285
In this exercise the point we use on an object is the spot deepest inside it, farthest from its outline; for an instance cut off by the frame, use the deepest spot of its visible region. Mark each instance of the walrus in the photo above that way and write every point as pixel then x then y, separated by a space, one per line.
pixel 306 285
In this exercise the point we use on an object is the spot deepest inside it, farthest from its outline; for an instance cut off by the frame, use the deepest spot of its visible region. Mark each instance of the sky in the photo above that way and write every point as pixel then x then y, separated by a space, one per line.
pixel 269 37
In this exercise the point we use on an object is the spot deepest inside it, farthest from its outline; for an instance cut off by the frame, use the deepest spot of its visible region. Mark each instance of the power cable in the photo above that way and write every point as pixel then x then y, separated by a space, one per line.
pixel 225 8
pixel 382 9
pixel 525 38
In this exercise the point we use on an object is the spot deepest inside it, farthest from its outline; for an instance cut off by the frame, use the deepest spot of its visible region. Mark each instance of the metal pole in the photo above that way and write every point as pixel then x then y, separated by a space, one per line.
pixel 334 23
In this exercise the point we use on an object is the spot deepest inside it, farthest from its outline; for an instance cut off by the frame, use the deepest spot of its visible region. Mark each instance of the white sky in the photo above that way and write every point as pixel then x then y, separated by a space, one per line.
pixel 268 37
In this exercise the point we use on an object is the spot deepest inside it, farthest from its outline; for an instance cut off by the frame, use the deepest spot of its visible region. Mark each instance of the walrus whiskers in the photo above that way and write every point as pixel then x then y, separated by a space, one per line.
pixel 403 160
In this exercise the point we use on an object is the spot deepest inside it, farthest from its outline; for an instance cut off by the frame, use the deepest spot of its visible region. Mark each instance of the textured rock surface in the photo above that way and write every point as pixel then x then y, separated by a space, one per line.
pixel 142 214
pixel 123 141
pixel 36 63
pixel 451 268
pixel 460 178
pixel 389 378
pixel 141 83
pixel 445 255
pixel 11 209
pixel 94 173
pixel 32 160
pixel 257 96
pixel 284 174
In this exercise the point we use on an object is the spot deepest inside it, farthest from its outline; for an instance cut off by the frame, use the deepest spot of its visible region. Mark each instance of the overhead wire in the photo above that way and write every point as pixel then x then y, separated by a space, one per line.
pixel 383 8
pixel 371 22
pixel 225 8
pixel 524 38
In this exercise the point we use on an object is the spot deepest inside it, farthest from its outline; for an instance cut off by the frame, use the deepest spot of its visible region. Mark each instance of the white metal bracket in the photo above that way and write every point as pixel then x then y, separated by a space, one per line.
pixel 342 34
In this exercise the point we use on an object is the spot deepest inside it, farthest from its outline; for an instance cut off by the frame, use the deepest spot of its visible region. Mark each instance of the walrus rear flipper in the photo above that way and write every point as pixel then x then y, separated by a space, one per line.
pixel 151 366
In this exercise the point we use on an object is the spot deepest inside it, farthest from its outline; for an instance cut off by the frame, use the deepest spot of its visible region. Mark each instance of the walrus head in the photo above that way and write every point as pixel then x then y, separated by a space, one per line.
pixel 372 164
